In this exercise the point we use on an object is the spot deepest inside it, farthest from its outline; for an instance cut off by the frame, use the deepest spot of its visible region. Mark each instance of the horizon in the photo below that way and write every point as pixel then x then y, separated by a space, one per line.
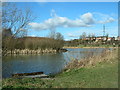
pixel 69 39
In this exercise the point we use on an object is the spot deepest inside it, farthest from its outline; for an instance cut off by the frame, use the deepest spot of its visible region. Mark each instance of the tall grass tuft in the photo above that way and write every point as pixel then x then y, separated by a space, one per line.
pixel 92 59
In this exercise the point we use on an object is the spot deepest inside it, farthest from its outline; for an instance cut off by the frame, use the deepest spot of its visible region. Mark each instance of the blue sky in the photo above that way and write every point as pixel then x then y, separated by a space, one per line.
pixel 71 19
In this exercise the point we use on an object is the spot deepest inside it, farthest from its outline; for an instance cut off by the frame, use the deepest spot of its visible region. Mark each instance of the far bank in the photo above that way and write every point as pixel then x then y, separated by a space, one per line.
pixel 88 47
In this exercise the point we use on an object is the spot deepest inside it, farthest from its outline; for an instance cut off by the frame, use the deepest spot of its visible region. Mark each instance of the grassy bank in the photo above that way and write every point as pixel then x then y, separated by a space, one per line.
pixel 89 47
pixel 94 72
pixel 92 46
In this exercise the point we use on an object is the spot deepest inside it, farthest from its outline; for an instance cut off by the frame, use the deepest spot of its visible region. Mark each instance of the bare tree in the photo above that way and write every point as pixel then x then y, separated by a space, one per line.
pixel 83 36
pixel 15 19
pixel 59 36
pixel 52 34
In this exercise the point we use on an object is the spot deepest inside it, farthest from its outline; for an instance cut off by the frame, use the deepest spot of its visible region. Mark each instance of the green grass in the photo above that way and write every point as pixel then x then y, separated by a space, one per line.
pixel 106 45
pixel 102 75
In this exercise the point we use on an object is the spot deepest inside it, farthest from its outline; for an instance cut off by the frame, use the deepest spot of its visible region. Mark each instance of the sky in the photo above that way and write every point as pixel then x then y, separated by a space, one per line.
pixel 71 19
pixel 60 0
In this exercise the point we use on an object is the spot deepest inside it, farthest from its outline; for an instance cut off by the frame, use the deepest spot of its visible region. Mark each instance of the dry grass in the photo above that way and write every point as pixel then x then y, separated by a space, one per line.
pixel 107 55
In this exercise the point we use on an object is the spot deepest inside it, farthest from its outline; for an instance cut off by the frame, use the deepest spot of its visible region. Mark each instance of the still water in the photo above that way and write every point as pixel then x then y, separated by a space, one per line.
pixel 47 63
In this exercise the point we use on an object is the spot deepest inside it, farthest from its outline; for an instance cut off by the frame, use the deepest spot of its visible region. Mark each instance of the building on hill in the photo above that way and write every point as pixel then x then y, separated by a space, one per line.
pixel 101 38
pixel 109 39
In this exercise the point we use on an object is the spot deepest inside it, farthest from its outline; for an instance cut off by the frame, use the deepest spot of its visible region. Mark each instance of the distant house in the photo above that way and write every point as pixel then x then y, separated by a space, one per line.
pixel 88 38
pixel 109 39
pixel 101 38
pixel 98 38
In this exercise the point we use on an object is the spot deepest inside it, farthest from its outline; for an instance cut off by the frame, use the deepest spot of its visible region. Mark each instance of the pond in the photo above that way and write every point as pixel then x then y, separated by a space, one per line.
pixel 47 63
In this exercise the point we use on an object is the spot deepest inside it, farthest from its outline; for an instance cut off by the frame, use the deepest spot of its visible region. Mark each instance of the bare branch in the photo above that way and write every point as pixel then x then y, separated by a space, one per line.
pixel 15 19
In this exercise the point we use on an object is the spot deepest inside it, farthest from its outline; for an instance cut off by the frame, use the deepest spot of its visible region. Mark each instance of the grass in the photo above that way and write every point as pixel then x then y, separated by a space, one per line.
pixel 99 77
pixel 92 46
pixel 102 74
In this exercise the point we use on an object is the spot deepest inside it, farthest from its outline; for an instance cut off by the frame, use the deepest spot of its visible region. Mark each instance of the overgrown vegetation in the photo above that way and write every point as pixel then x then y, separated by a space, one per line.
pixel 32 43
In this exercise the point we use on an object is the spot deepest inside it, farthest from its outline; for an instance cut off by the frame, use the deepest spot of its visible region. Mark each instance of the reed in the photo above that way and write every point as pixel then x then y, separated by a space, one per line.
pixel 92 59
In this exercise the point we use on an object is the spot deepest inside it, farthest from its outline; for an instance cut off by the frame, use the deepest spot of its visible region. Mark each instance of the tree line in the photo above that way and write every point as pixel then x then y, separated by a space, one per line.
pixel 33 43
pixel 91 40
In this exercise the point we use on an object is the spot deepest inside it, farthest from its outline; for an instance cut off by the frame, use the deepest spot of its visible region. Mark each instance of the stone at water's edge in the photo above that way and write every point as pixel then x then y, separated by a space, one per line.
pixel 26 74
pixel 62 50
pixel 27 51
pixel 30 75
pixel 36 76
pixel 39 51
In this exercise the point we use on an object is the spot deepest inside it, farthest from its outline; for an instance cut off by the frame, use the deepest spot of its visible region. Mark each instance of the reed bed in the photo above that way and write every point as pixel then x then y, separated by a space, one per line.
pixel 92 59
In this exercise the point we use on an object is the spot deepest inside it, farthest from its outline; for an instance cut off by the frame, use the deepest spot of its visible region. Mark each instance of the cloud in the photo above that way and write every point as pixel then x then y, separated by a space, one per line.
pixel 88 18
pixel 72 35
pixel 103 18
pixel 85 20
pixel 33 35
pixel 108 20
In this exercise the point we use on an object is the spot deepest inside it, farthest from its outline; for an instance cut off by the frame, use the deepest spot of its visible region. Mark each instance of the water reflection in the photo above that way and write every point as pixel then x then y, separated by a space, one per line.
pixel 48 63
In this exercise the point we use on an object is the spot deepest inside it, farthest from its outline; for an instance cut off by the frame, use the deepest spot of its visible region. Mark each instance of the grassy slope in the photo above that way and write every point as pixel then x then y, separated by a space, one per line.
pixel 102 75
